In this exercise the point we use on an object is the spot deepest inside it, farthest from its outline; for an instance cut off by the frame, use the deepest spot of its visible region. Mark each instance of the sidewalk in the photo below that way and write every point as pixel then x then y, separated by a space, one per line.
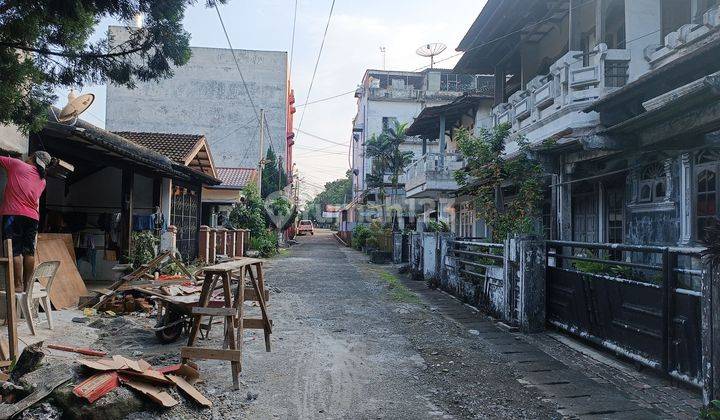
pixel 582 381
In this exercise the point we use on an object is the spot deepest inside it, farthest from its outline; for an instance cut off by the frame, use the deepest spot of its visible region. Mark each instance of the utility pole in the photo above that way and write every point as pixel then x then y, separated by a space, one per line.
pixel 383 50
pixel 261 160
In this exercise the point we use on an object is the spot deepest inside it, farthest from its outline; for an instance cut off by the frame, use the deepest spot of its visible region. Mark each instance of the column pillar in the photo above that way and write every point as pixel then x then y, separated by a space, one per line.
pixel 442 142
pixel 126 209
pixel 204 241
pixel 499 85
pixel 686 188
pixel 574 21
pixel 231 243
pixel 212 249
pixel 710 327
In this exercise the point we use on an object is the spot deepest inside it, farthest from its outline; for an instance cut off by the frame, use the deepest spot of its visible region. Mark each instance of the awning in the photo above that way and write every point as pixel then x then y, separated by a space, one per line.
pixel 427 123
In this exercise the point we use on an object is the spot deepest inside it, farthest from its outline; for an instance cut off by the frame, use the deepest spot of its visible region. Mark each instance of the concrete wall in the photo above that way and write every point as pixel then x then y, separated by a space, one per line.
pixel 206 96
pixel 642 17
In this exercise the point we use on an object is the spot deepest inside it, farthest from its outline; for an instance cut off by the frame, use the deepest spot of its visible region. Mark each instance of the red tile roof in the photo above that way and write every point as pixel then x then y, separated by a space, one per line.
pixel 175 146
pixel 235 177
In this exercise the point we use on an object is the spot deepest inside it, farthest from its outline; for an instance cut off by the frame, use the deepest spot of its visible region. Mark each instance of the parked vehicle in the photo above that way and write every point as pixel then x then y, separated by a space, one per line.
pixel 305 226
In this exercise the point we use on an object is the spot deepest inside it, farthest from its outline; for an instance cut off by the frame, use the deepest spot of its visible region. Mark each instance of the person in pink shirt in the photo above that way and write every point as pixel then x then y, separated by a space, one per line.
pixel 20 210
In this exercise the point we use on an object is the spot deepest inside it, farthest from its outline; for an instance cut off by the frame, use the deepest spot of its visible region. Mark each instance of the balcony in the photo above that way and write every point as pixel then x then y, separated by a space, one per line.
pixel 390 93
pixel 568 87
pixel 677 44
pixel 428 178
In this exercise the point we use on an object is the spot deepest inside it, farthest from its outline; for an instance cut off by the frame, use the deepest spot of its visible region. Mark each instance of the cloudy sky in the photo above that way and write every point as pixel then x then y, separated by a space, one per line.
pixel 357 31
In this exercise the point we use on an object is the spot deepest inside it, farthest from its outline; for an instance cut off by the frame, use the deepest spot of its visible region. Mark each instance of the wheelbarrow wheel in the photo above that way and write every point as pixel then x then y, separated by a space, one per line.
pixel 171 333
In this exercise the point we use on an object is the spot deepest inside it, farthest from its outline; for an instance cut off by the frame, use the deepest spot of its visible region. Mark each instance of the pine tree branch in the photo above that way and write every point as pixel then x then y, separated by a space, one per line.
pixel 45 51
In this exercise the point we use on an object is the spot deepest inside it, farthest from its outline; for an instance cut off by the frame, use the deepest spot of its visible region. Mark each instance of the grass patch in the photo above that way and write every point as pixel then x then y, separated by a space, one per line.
pixel 398 291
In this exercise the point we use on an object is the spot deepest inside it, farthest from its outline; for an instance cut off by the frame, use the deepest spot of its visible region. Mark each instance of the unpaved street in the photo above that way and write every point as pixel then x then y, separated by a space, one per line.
pixel 344 347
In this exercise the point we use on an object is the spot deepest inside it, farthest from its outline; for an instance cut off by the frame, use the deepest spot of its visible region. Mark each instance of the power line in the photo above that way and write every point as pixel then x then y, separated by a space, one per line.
pixel 292 42
pixel 321 138
pixel 326 99
pixel 317 62
pixel 237 66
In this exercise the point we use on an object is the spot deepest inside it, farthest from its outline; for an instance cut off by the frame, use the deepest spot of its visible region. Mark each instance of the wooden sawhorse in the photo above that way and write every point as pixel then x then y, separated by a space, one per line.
pixel 232 310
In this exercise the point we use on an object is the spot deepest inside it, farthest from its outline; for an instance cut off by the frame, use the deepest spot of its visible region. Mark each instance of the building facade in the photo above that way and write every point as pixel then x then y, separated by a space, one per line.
pixel 578 86
pixel 207 96
pixel 385 97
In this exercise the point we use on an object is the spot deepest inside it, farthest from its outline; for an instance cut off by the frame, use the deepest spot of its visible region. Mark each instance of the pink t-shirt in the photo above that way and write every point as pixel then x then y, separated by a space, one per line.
pixel 23 189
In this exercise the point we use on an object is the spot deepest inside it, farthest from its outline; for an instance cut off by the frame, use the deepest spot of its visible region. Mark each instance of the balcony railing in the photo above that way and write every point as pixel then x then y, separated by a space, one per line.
pixel 569 83
pixel 684 37
pixel 430 174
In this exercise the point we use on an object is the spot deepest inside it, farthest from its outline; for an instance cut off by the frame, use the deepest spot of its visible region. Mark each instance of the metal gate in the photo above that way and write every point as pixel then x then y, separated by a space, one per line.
pixel 645 307
pixel 185 219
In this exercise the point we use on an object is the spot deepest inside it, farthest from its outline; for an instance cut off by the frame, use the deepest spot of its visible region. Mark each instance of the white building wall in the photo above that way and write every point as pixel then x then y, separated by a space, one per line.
pixel 642 28
pixel 207 96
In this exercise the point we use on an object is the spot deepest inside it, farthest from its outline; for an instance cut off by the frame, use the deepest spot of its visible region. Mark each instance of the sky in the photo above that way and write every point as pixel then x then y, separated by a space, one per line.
pixel 356 33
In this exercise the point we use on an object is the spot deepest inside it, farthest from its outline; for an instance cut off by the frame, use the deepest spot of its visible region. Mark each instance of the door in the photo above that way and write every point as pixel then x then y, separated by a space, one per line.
pixel 185 219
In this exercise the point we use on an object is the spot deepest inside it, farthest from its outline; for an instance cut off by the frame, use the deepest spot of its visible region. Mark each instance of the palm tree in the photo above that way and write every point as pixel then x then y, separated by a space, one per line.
pixel 388 158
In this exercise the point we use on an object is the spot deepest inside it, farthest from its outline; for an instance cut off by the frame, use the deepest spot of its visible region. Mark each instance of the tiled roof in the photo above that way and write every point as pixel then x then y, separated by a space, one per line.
pixel 235 177
pixel 175 146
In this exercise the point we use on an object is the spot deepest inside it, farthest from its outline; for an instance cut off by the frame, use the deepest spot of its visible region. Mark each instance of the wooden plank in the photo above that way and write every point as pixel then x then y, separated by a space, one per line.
pixel 138 273
pixel 10 310
pixel 151 391
pixel 233 265
pixel 214 311
pixel 190 390
pixel 255 323
pixel 210 354
pixel 251 296
pixel 68 286
pixel 65 237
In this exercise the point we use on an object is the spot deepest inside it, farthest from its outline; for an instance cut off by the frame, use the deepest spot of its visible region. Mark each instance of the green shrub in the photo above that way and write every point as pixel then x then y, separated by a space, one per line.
pixel 360 235
pixel 265 243
pixel 378 234
pixel 433 226
pixel 144 245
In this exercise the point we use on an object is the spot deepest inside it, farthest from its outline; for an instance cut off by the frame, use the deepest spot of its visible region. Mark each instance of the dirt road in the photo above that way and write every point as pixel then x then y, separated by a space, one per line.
pixel 345 346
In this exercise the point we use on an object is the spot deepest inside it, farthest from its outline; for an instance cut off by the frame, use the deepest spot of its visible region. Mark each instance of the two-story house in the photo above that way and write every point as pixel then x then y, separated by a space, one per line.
pixel 621 101
pixel 557 65
pixel 383 98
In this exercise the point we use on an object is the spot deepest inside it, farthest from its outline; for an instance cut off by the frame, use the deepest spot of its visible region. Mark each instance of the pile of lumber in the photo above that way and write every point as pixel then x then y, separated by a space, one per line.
pixel 110 373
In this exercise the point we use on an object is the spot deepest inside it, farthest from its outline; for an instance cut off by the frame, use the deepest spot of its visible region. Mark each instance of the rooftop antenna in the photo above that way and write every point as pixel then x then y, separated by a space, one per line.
pixel 76 105
pixel 431 50
pixel 382 51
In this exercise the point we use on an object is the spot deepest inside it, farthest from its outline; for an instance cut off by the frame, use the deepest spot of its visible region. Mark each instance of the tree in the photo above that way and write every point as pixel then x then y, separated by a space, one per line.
pixel 387 159
pixel 274 177
pixel 46 44
pixel 489 170
pixel 337 192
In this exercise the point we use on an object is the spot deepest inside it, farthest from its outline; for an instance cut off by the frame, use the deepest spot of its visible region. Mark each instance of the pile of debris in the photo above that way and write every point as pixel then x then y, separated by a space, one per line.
pixel 110 373
pixel 28 382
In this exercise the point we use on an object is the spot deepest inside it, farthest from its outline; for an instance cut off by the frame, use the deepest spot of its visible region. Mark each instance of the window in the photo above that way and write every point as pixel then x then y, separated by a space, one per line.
pixel 466 227
pixel 706 183
pixel 449 82
pixel 653 183
pixel 546 220
pixel 388 122
pixel 706 200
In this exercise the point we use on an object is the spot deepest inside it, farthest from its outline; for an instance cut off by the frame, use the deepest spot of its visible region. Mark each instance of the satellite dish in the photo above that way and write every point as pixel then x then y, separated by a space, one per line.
pixel 76 105
pixel 431 50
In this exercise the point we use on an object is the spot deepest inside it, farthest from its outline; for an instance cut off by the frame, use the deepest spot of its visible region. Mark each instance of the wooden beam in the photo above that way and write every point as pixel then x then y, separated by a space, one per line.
pixel 11 316
pixel 126 208
pixel 213 354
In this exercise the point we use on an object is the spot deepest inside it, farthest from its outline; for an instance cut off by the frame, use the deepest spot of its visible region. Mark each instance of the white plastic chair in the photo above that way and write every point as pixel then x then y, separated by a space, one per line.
pixel 36 291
